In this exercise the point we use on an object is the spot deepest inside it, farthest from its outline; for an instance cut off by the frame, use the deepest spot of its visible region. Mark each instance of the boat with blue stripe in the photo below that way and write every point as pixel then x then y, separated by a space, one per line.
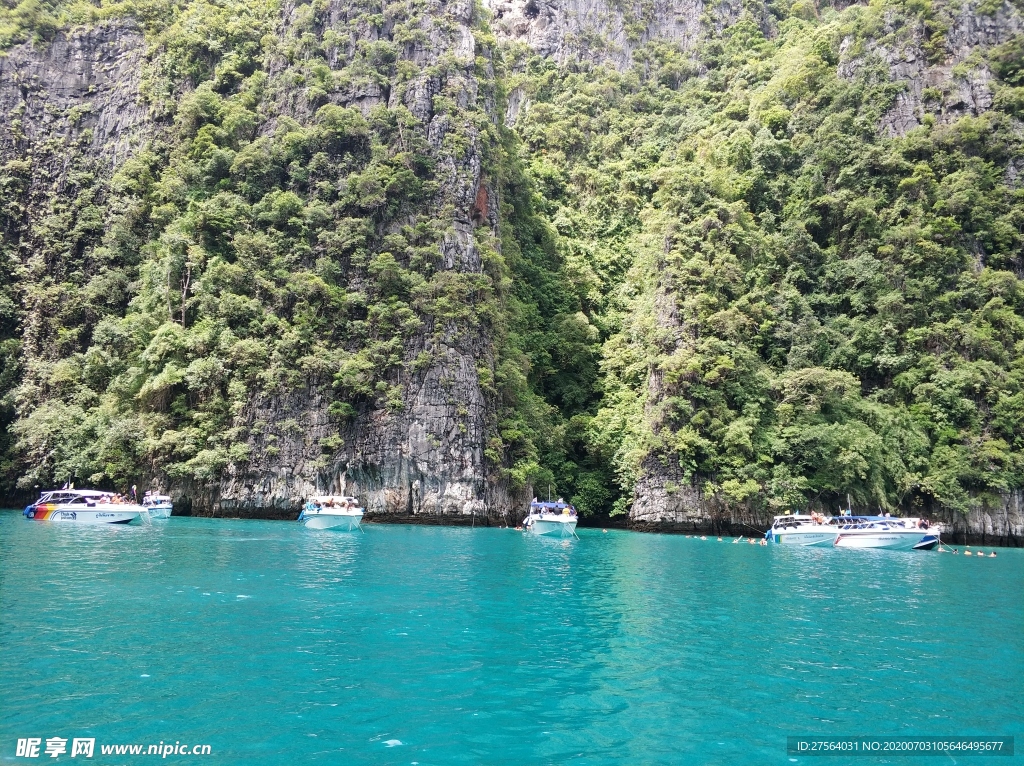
pixel 849 531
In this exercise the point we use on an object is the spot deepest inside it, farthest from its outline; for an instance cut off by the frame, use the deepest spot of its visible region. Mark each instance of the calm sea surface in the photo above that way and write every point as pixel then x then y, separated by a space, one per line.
pixel 275 644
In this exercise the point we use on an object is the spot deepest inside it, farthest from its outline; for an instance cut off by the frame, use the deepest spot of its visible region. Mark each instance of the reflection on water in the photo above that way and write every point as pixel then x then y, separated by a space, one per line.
pixel 327 556
pixel 442 645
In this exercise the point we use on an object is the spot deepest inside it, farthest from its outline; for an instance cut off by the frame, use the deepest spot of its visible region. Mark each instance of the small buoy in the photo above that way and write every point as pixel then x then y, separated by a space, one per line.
pixel 967 553
pixel 992 555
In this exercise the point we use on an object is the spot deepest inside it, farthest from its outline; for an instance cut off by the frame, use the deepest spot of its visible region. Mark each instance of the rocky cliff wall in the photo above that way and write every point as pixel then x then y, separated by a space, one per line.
pixel 944 77
pixel 426 456
pixel 666 502
pixel 594 30
pixel 597 31
pixel 75 112
pixel 81 90
pixel 72 114
pixel 74 106
pixel 946 83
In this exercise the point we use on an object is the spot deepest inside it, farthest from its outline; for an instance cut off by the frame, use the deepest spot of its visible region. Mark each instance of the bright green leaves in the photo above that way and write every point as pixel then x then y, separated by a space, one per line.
pixel 798 308
pixel 27 20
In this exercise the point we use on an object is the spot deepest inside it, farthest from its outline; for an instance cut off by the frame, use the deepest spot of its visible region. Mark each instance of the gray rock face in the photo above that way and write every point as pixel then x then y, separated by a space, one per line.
pixel 596 30
pixel 1001 523
pixel 82 85
pixel 425 455
pixel 954 85
pixel 72 114
pixel 424 459
pixel 958 85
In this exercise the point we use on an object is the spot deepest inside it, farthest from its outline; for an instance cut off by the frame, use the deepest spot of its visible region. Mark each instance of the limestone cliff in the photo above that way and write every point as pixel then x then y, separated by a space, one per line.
pixel 260 254
pixel 946 82
pixel 596 31
pixel 426 456
pixel 939 73
pixel 666 501
pixel 78 111
pixel 82 91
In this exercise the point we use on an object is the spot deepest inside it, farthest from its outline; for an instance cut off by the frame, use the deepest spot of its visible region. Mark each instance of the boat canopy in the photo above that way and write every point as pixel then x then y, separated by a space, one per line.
pixel 835 519
pixel 77 492
pixel 549 506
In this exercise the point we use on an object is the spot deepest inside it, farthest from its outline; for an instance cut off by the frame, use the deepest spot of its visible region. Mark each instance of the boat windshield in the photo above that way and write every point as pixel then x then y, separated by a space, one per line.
pixel 559 509
pixel 792 521
pixel 71 496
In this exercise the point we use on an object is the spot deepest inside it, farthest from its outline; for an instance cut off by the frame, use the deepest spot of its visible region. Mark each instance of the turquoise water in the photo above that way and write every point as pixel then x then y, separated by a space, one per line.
pixel 275 644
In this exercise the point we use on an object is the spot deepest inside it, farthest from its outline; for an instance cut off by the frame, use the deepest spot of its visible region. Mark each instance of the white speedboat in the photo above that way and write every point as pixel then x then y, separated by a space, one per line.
pixel 332 512
pixel 552 519
pixel 158 506
pixel 82 506
pixel 886 532
pixel 802 529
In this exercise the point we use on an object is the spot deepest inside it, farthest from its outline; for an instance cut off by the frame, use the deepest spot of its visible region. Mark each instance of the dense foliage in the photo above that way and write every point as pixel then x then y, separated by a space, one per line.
pixel 715 258
pixel 245 252
pixel 796 306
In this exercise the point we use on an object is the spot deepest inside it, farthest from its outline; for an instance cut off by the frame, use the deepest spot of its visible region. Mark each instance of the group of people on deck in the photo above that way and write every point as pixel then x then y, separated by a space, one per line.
pixel 130 497
pixel 568 509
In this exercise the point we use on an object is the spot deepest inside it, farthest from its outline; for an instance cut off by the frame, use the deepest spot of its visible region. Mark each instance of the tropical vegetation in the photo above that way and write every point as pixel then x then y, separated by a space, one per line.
pixel 724 258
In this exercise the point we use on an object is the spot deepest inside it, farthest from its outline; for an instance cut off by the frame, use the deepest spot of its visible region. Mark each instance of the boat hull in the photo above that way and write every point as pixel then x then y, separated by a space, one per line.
pixel 79 515
pixel 553 528
pixel 342 522
pixel 824 538
pixel 888 539
pixel 159 511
